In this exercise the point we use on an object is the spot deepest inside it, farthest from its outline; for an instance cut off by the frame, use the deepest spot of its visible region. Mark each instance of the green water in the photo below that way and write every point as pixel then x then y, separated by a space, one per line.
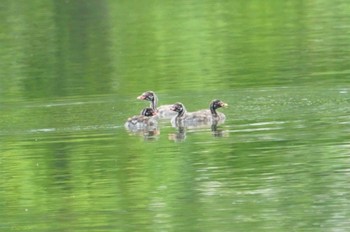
pixel 70 73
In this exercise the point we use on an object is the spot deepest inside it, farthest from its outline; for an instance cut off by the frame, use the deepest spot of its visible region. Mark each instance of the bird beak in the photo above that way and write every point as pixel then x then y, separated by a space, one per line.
pixel 223 104
pixel 141 97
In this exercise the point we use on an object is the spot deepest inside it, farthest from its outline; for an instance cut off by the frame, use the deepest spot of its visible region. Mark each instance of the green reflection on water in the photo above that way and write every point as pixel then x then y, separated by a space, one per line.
pixel 76 48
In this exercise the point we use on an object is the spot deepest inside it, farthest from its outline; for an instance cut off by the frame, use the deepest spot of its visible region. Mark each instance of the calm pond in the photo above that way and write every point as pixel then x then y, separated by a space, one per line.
pixel 70 75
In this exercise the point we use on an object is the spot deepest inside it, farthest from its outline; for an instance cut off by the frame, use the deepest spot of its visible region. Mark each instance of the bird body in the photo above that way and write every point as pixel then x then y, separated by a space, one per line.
pixel 146 119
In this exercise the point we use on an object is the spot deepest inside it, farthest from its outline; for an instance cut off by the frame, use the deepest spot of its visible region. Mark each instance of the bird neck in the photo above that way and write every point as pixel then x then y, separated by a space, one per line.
pixel 213 111
pixel 182 112
pixel 154 102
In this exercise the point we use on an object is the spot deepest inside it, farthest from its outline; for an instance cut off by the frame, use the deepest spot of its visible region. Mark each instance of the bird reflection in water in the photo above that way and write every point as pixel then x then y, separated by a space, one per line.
pixel 179 136
pixel 217 132
pixel 148 133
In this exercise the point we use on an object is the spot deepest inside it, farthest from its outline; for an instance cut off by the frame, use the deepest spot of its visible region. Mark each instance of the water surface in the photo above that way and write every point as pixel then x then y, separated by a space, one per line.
pixel 70 76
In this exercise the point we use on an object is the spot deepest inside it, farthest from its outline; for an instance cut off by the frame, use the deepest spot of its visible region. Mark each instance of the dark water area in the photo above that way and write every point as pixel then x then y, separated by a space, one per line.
pixel 70 75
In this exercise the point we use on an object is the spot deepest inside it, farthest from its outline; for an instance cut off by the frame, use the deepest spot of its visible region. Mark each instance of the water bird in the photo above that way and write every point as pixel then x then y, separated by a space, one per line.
pixel 163 111
pixel 213 106
pixel 202 117
pixel 147 118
